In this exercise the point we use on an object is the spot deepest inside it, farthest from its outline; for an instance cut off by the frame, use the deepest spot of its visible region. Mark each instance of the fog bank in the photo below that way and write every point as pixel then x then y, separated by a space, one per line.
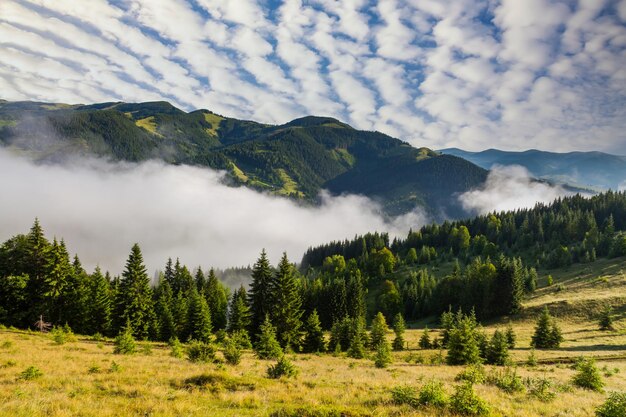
pixel 101 208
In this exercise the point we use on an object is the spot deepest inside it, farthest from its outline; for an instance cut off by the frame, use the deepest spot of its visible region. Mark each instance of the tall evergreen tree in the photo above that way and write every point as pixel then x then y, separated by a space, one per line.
pixel 239 312
pixel 200 279
pixel 217 298
pixel 314 336
pixel 163 309
pixel 267 347
pixel 58 271
pixel 37 265
pixel 100 304
pixel 356 292
pixel 399 327
pixel 134 298
pixel 260 291
pixel 378 333
pixel 199 317
pixel 286 305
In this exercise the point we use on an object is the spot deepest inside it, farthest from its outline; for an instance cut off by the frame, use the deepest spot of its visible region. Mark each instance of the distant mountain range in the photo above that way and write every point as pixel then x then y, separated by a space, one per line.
pixel 296 160
pixel 595 170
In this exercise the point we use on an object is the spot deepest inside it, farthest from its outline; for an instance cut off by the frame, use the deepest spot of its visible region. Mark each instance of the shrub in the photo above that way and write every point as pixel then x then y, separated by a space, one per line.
pixel 540 388
pixel 97 337
pixel 532 358
pixel 466 402
pixel 382 359
pixel 404 394
pixel 507 380
pixel 198 351
pixel 125 342
pixel 146 349
pixel 115 367
pixel 474 374
pixel 176 348
pixel 283 367
pixel 232 353
pixel 30 373
pixel 550 280
pixel 433 394
pixel 241 339
pixel 588 375
pixel 614 406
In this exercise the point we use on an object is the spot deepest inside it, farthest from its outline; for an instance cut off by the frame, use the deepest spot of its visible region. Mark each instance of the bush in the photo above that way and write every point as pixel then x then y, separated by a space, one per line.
pixel 433 394
pixel 30 373
pixel 232 353
pixel 283 367
pixel 176 348
pixel 198 351
pixel 241 339
pixel 465 402
pixel 58 335
pixel 125 343
pixel 588 375
pixel 404 394
pixel 532 359
pixel 474 374
pixel 507 380
pixel 540 388
pixel 614 406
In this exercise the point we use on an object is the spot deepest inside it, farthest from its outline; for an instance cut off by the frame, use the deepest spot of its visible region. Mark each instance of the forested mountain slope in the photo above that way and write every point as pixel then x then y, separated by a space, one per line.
pixel 297 159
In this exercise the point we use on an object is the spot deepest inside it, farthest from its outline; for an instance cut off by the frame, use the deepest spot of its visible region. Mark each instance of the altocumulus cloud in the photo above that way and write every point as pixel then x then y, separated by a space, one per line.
pixel 100 208
pixel 511 74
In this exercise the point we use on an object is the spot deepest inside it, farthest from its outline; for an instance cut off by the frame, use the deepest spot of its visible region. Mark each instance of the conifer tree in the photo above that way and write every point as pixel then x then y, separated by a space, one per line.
pixel 383 358
pixel 134 301
pixel 239 312
pixel 36 266
pixel 180 310
pixel 58 270
pixel 267 347
pixel 355 292
pixel 498 349
pixel 166 322
pixel 356 349
pixel 463 343
pixel 547 333
pixel 605 321
pixel 511 337
pixel 200 280
pixel 378 332
pixel 199 318
pixel 260 292
pixel 424 342
pixel 286 308
pixel 216 295
pixel 314 336
pixel 74 300
pixel 168 275
pixel 399 327
pixel 100 304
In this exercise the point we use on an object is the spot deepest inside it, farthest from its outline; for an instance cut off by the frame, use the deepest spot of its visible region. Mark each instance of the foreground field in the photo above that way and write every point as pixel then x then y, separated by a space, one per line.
pixel 85 378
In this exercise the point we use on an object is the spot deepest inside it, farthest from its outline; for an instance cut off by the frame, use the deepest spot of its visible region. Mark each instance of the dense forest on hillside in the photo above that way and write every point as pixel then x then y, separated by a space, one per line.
pixel 295 160
pixel 341 284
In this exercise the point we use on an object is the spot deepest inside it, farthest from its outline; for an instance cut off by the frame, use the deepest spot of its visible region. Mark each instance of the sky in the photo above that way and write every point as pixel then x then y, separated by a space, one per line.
pixel 473 74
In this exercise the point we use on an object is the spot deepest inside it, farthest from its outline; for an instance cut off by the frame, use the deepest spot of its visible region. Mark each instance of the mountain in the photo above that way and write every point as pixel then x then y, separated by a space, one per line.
pixel 297 159
pixel 596 170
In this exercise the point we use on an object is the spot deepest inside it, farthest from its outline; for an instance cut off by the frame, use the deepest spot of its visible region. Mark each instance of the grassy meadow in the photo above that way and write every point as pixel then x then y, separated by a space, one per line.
pixel 85 378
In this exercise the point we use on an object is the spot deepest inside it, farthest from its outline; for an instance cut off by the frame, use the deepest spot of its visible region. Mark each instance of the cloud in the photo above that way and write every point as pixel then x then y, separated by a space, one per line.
pixel 467 73
pixel 509 188
pixel 101 208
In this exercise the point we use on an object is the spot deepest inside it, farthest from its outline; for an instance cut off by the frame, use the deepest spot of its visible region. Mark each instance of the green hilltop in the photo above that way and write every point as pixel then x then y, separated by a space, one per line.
pixel 297 159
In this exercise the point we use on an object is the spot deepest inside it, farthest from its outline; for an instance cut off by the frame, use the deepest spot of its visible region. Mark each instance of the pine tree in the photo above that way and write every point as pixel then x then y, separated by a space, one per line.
pixel 511 337
pixel 424 342
pixel 267 347
pixel 378 333
pixel 74 301
pixel 383 358
pixel 356 349
pixel 217 299
pixel 199 318
pixel 58 271
pixel 134 301
pixel 100 304
pixel 239 312
pixel 399 328
pixel 605 321
pixel 260 292
pixel 36 266
pixel 286 308
pixel 314 337
pixel 547 333
pixel 200 279
pixel 166 322
pixel 180 310
pixel 463 343
pixel 531 280
pixel 498 349
pixel 168 276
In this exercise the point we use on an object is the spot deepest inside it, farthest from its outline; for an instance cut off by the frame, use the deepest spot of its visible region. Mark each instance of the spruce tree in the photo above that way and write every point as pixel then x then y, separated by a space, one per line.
pixel 75 298
pixel 199 318
pixel 100 304
pixel 498 349
pixel 355 292
pixel 57 273
pixel 605 321
pixel 260 292
pixel 36 266
pixel 356 349
pixel 511 337
pixel 134 301
pixel 200 280
pixel 399 327
pixel 314 336
pixel 463 343
pixel 239 312
pixel 286 309
pixel 267 347
pixel 383 357
pixel 165 317
pixel 217 298
pixel 547 333
pixel 378 333
pixel 424 342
